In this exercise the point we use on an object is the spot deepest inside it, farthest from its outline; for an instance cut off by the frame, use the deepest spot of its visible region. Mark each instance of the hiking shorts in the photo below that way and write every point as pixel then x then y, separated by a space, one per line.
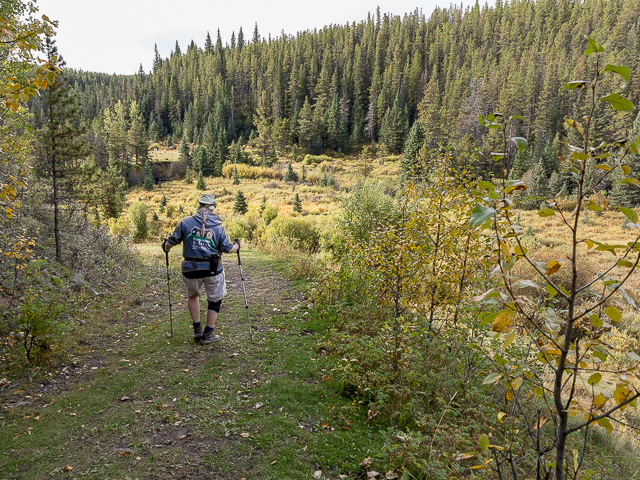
pixel 215 286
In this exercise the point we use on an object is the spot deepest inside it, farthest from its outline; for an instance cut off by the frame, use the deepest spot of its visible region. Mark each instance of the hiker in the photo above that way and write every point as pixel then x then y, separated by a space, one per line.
pixel 204 239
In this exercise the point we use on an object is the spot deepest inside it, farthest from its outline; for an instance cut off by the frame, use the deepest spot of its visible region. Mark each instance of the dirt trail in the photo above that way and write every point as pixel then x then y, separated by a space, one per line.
pixel 136 404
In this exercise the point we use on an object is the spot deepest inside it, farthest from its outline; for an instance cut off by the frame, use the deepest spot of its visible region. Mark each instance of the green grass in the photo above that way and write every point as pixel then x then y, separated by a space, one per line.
pixel 148 406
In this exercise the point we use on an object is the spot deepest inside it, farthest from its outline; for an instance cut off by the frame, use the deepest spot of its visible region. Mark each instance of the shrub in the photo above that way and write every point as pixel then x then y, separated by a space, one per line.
pixel 138 218
pixel 250 227
pixel 178 170
pixel 315 159
pixel 269 214
pixel 119 227
pixel 247 171
pixel 297 233
pixel 171 211
pixel 237 227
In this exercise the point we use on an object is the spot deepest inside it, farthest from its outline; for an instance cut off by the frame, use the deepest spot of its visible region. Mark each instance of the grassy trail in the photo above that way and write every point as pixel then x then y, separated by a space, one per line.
pixel 137 404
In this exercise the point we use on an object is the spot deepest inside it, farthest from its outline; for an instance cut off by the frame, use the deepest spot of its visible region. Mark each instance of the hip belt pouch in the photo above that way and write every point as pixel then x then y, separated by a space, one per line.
pixel 196 269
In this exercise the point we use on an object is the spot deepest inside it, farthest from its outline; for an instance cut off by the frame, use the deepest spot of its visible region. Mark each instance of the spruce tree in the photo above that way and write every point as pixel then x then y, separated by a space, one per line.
pixel 394 127
pixel 240 204
pixel 163 203
pixel 518 166
pixel 188 176
pixel 297 204
pixel 200 185
pixel 137 135
pixel 236 179
pixel 185 151
pixel 414 143
pixel 290 175
pixel 538 187
pixel 148 181
pixel 263 204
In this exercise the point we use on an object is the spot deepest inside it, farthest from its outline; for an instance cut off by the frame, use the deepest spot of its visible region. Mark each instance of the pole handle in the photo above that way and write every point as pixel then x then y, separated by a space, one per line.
pixel 238 251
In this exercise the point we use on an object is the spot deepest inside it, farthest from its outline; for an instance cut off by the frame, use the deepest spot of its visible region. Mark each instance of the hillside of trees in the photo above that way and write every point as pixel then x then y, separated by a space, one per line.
pixel 344 86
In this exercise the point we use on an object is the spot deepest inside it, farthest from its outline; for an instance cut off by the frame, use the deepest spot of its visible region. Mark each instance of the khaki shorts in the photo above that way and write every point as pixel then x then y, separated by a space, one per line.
pixel 215 286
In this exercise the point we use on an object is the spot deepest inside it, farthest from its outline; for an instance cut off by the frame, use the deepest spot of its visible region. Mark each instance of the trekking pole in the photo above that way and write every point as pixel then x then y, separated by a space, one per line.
pixel 244 290
pixel 166 256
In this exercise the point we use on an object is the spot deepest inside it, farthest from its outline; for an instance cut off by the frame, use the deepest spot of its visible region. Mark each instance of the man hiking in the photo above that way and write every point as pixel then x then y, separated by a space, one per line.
pixel 204 240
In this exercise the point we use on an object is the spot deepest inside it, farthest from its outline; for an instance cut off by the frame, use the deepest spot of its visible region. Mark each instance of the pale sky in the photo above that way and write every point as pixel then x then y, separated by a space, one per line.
pixel 116 36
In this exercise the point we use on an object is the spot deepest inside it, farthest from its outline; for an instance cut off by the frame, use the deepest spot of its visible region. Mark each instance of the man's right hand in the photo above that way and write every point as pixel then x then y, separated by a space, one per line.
pixel 164 244
pixel 237 242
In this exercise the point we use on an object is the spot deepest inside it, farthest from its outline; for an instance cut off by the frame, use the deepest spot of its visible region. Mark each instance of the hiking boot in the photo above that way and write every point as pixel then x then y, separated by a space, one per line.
pixel 209 337
pixel 197 333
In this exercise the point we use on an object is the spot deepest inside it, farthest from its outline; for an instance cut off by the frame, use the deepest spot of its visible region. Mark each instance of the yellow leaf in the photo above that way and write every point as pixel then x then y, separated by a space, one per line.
pixel 606 424
pixel 599 400
pixel 502 321
pixel 509 340
pixel 517 383
pixel 621 393
pixel 552 267
pixel 508 395
pixel 501 415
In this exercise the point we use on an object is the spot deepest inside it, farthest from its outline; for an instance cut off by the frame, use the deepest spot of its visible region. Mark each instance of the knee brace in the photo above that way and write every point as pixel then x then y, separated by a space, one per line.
pixel 215 306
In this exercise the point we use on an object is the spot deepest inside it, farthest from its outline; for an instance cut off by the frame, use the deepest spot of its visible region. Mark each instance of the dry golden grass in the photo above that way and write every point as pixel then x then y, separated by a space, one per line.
pixel 316 200
pixel 552 241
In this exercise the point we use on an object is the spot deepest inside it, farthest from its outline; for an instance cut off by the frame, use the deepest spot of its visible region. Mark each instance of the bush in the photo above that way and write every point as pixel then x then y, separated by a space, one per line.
pixel 247 171
pixel 138 218
pixel 315 159
pixel 269 214
pixel 297 233
pixel 171 211
pixel 177 170
pixel 119 227
pixel 237 227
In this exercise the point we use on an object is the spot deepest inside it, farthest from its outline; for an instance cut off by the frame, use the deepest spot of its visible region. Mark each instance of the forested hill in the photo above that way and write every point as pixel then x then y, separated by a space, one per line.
pixel 343 86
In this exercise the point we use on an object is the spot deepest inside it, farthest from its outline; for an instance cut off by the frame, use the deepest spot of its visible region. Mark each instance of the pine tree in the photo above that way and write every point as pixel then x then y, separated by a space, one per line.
pixel 188 176
pixel 394 127
pixel 290 175
pixel 185 152
pixel 263 204
pixel 200 185
pixel 240 203
pixel 148 181
pixel 163 203
pixel 137 135
pixel 60 142
pixel 236 179
pixel 518 166
pixel 155 217
pixel 538 187
pixel 297 204
pixel 414 143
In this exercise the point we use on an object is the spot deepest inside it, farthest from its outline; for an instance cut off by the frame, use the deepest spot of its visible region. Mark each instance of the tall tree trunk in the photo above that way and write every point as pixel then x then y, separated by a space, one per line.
pixel 56 208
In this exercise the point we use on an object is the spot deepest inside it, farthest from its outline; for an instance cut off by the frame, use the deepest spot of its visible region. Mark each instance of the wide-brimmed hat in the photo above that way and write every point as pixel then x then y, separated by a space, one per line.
pixel 208 199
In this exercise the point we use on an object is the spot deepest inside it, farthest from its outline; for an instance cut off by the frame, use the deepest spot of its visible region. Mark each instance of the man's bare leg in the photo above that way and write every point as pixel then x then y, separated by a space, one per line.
pixel 211 318
pixel 194 308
